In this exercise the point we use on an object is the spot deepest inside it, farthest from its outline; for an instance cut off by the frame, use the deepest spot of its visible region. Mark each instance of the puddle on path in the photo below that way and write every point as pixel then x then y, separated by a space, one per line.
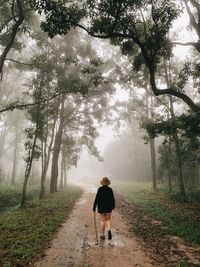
pixel 82 201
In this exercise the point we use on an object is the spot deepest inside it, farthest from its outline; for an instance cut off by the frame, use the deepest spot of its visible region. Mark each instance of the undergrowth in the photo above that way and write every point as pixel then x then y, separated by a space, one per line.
pixel 178 219
pixel 10 196
pixel 24 231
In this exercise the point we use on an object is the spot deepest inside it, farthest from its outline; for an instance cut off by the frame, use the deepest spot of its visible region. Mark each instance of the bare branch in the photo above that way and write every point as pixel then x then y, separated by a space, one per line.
pixel 107 36
pixel 185 44
pixel 23 106
pixel 171 91
pixel 13 7
pixel 195 45
pixel 24 63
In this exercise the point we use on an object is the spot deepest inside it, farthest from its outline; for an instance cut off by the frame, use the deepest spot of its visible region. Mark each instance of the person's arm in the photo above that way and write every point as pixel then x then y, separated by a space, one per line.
pixel 113 199
pixel 96 201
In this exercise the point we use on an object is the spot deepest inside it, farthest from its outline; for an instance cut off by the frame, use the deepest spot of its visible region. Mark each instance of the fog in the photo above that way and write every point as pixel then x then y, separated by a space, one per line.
pixel 125 158
pixel 92 90
pixel 81 107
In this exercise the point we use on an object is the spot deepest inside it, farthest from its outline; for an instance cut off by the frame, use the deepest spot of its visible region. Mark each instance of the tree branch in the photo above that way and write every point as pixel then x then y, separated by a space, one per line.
pixel 192 18
pixel 13 35
pixel 106 36
pixel 171 91
pixel 185 44
pixel 197 6
pixel 149 63
pixel 13 7
pixel 195 45
pixel 23 106
pixel 23 63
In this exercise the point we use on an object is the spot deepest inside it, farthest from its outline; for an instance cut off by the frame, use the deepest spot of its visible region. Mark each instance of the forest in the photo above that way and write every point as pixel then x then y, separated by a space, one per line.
pixel 123 72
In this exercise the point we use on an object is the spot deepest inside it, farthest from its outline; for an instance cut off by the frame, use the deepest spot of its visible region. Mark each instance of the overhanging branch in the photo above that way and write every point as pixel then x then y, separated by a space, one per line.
pixel 171 91
pixel 24 63
pixel 24 106
pixel 195 45
pixel 14 31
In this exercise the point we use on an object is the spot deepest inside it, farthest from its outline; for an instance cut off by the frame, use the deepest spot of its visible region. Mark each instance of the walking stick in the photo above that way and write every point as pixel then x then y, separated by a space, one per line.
pixel 95 225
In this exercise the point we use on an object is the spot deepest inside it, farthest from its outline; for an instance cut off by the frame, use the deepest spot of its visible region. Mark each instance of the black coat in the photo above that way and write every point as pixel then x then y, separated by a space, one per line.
pixel 104 200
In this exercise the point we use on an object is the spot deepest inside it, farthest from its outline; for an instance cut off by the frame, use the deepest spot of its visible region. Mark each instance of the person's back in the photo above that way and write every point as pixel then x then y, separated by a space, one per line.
pixel 105 199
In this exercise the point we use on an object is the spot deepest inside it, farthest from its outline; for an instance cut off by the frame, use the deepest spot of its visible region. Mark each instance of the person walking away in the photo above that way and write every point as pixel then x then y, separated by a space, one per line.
pixel 105 202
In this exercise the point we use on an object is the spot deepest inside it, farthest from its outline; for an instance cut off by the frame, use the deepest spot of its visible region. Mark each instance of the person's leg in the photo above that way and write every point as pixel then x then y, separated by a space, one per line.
pixel 108 222
pixel 102 225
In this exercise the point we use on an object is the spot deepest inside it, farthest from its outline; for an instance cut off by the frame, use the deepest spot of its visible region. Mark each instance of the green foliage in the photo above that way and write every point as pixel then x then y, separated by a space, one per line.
pixel 72 84
pixel 187 263
pixel 9 15
pixel 196 74
pixel 125 20
pixel 5 38
pixel 188 125
pixel 23 232
pixel 194 196
pixel 71 150
pixel 176 222
pixel 59 18
pixel 11 195
pixel 189 149
pixel 176 218
pixel 184 75
pixel 138 62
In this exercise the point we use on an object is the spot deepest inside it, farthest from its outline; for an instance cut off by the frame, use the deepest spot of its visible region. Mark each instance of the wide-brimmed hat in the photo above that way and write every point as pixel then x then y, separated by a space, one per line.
pixel 105 181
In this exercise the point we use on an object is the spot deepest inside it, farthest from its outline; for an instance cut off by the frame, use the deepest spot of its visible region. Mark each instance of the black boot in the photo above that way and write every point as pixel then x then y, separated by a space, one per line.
pixel 102 237
pixel 109 235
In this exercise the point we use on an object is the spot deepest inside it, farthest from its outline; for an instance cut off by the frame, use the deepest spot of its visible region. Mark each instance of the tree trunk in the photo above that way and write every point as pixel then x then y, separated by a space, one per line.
pixel 28 168
pixel 14 170
pixel 180 168
pixel 178 156
pixel 13 33
pixel 153 162
pixel 33 172
pixel 56 150
pixel 31 155
pixel 152 143
pixel 135 155
pixel 175 137
pixel 47 155
pixel 65 174
pixel 2 143
pixel 169 162
pixel 62 169
pixel 44 169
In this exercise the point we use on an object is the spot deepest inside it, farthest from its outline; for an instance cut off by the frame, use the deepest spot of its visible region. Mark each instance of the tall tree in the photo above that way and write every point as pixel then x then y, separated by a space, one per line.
pixel 57 147
pixel 16 151
pixel 143 26
pixel 33 133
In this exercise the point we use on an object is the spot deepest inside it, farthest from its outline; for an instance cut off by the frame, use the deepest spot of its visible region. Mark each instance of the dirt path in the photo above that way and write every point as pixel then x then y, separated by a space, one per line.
pixel 75 243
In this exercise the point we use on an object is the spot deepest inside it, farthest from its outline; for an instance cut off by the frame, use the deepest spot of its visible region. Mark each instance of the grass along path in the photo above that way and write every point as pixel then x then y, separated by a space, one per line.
pixel 157 219
pixel 181 219
pixel 24 231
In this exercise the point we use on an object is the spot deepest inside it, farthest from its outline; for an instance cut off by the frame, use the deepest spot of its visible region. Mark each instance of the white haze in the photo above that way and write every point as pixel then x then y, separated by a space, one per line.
pixel 107 134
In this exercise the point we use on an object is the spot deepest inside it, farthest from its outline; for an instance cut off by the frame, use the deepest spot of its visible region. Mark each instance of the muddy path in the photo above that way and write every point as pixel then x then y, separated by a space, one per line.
pixel 75 243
